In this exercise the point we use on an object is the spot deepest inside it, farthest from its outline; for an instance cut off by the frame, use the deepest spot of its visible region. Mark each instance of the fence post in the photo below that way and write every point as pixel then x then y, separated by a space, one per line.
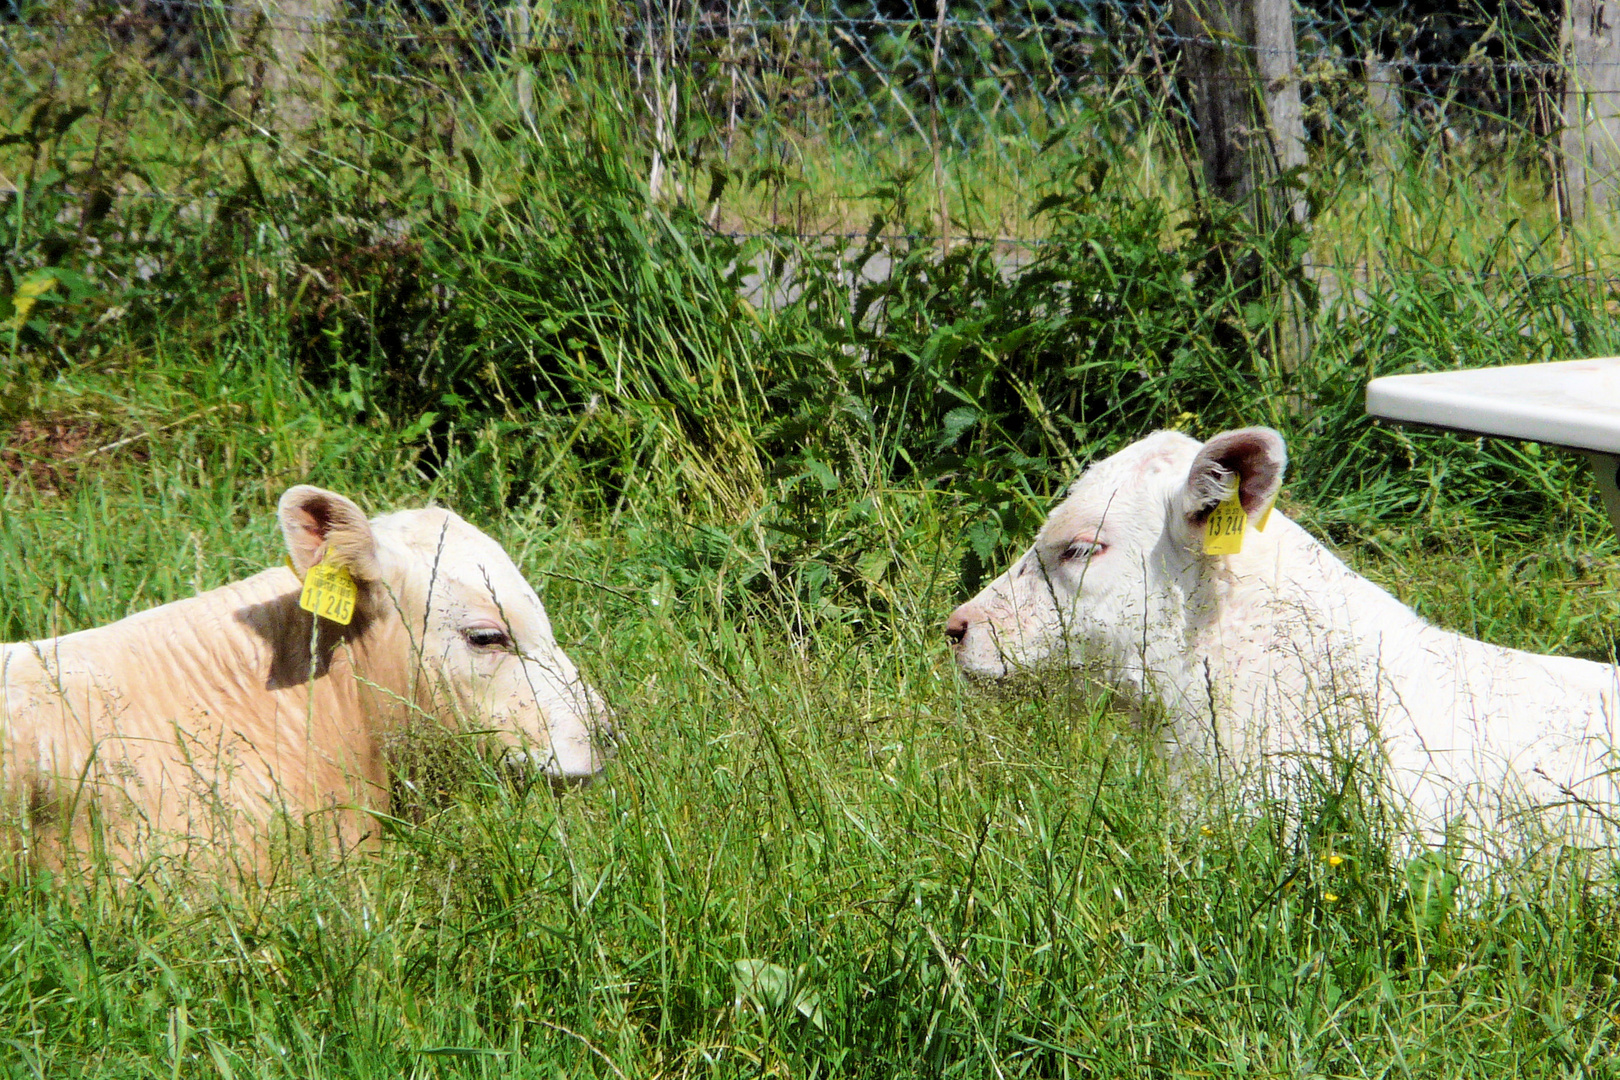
pixel 294 34
pixel 1277 68
pixel 1242 68
pixel 1591 109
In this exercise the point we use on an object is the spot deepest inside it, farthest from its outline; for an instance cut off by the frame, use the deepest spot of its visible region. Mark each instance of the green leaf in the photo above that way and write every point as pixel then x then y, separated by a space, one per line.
pixel 765 984
pixel 983 537
pixel 819 470
pixel 808 1004
pixel 957 421
pixel 773 988
pixel 69 118
pixel 419 426
pixel 1049 202
pixel 872 566
pixel 718 178
pixel 1431 889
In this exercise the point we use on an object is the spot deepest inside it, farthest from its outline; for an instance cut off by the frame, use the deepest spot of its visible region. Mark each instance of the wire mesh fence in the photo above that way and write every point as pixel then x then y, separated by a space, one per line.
pixel 969 96
pixel 976 75
pixel 451 178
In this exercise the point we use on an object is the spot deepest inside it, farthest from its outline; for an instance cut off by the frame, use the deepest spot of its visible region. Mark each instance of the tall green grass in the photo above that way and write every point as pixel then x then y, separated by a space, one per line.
pixel 817 855
pixel 818 852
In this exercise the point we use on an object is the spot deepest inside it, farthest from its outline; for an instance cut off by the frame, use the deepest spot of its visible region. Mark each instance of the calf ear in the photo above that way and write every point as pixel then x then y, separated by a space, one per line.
pixel 1254 455
pixel 323 526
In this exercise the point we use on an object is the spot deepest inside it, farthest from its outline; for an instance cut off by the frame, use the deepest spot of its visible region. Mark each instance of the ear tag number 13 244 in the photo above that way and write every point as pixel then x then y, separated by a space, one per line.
pixel 329 592
pixel 1223 532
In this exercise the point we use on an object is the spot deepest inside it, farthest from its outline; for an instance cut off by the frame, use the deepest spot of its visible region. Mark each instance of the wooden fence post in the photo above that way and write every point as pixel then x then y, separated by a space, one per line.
pixel 1283 116
pixel 1589 144
pixel 295 51
pixel 1242 69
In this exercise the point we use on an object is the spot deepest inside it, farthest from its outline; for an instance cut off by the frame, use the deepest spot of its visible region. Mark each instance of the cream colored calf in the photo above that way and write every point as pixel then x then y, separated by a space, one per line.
pixel 204 719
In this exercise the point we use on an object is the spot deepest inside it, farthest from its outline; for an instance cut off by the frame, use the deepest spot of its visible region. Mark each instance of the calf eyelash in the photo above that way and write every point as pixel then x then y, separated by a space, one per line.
pixel 487 637
pixel 1082 549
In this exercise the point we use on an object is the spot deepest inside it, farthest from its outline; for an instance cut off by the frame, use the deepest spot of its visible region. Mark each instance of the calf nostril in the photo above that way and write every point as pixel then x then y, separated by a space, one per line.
pixel 956 628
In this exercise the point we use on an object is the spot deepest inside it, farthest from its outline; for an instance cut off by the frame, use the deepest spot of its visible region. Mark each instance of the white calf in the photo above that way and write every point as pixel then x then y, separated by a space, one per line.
pixel 1280 651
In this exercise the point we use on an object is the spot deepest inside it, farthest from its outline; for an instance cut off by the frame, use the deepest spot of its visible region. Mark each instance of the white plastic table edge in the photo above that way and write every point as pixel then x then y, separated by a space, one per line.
pixel 1530 424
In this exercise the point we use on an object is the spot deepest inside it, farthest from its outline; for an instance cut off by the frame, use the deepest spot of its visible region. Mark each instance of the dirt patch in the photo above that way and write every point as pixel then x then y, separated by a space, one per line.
pixel 48 452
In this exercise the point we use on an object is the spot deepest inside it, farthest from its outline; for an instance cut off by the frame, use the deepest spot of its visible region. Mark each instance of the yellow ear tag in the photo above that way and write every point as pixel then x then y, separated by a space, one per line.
pixel 329 592
pixel 1223 532
pixel 1265 515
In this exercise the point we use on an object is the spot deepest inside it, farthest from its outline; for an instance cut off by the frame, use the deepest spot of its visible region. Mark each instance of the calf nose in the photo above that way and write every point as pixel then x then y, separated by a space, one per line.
pixel 956 627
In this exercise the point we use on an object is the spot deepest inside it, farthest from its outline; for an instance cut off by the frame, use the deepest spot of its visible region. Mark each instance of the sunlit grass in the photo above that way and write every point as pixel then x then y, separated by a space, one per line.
pixel 818 852
pixel 952 878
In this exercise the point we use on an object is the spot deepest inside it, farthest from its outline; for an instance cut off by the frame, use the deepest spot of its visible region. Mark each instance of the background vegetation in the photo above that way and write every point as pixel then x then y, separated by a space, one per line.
pixel 751 474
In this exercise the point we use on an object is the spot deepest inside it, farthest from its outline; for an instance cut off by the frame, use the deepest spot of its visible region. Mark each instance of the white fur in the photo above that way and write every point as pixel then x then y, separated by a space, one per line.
pixel 1282 654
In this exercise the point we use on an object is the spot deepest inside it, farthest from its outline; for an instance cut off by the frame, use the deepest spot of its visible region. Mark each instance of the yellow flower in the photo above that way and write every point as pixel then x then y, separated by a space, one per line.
pixel 1335 860
pixel 1330 897
pixel 1205 830
pixel 22 301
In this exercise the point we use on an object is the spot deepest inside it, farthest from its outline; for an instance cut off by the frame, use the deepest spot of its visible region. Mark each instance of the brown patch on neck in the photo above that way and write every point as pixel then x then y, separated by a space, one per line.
pixel 300 651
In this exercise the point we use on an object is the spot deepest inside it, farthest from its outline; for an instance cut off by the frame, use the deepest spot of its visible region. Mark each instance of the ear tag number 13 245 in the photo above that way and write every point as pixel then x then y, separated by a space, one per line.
pixel 329 592
pixel 1223 532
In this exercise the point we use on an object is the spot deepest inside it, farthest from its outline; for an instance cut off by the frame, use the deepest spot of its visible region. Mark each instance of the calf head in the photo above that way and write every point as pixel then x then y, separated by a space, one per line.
pixel 471 637
pixel 1112 573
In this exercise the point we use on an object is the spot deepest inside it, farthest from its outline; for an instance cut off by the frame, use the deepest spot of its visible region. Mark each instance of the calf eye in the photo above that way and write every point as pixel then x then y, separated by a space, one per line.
pixel 487 637
pixel 1082 549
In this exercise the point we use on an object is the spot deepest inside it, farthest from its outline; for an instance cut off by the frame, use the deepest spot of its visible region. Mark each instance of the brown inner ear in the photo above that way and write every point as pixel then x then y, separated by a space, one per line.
pixel 307 527
pixel 1253 485
pixel 320 519
pixel 321 526
pixel 1244 453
